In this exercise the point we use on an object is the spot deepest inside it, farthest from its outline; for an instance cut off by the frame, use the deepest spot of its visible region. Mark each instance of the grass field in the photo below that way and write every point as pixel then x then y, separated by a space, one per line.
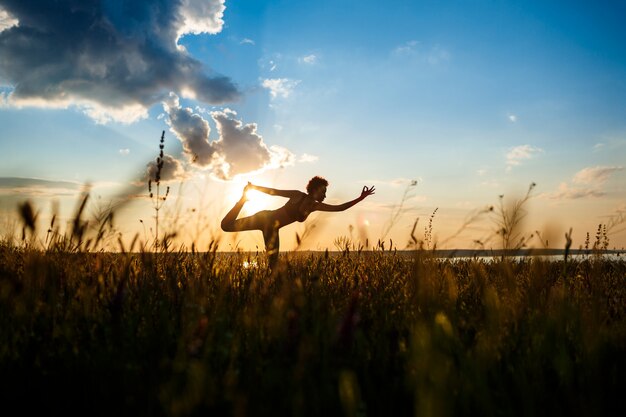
pixel 370 333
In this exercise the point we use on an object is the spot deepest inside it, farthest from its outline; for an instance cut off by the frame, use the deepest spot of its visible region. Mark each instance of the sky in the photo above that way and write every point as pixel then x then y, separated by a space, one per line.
pixel 447 106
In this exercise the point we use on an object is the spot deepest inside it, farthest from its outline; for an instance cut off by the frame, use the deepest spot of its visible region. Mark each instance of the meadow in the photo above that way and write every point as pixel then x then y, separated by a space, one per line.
pixel 354 333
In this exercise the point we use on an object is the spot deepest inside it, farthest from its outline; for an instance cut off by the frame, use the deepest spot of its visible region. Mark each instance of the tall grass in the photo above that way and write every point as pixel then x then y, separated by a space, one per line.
pixel 354 333
pixel 358 333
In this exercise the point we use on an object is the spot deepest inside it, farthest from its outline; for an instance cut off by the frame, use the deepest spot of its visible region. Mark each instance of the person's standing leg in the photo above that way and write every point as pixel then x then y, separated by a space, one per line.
pixel 272 244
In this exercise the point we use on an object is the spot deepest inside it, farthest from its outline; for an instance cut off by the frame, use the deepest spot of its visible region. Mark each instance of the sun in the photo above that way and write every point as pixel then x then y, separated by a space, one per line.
pixel 257 200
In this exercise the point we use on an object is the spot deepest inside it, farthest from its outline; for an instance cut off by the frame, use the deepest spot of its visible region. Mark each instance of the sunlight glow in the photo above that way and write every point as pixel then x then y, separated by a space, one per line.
pixel 257 201
pixel 250 265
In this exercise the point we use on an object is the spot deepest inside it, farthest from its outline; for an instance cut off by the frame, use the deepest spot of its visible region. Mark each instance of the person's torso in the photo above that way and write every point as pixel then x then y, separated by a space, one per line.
pixel 299 208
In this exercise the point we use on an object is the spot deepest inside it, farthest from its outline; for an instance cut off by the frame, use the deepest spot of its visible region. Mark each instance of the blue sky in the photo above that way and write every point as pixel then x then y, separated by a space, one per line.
pixel 472 99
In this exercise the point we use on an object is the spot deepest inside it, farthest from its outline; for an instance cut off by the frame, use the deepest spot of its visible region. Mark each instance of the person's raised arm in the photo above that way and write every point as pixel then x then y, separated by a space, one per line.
pixel 341 207
pixel 273 191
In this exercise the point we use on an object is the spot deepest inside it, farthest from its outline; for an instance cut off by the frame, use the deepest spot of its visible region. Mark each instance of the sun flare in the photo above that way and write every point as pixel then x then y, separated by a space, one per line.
pixel 256 200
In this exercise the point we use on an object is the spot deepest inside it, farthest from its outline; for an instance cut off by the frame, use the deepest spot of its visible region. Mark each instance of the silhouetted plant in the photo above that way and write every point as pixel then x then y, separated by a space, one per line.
pixel 157 199
pixel 508 221
pixel 428 230
pixel 28 217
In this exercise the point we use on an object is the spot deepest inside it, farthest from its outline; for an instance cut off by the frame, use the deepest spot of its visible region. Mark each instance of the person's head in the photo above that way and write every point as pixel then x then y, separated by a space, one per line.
pixel 316 188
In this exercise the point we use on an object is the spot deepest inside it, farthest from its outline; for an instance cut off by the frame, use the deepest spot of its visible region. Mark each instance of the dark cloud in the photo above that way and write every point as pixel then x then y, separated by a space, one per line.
pixel 238 150
pixel 171 170
pixel 114 58
pixel 192 130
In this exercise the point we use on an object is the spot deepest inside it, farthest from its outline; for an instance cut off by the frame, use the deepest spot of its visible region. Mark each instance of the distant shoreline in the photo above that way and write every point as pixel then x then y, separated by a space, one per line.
pixel 470 253
pixel 438 253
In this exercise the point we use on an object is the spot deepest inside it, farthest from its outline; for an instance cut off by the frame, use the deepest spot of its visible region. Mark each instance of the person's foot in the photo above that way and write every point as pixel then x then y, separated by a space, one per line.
pixel 244 195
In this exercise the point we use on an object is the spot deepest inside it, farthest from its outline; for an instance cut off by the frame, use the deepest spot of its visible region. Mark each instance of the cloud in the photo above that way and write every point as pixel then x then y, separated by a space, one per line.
pixel 305 157
pixel 191 129
pixel 199 16
pixel 35 187
pixel 112 59
pixel 308 59
pixel 595 175
pixel 247 41
pixel 406 49
pixel 588 182
pixel 172 170
pixel 238 150
pixel 7 20
pixel 280 87
pixel 124 152
pixel 415 50
pixel 512 118
pixel 567 192
pixel 516 155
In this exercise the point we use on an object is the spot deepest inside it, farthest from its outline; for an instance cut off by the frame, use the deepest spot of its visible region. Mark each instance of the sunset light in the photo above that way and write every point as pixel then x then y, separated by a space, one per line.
pixel 475 102
pixel 433 224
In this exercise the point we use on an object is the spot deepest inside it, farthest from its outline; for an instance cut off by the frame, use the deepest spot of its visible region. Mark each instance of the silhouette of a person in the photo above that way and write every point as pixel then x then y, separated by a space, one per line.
pixel 298 208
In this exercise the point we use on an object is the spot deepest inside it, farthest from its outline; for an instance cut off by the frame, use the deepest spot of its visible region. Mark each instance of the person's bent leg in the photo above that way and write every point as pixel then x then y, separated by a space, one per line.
pixel 228 222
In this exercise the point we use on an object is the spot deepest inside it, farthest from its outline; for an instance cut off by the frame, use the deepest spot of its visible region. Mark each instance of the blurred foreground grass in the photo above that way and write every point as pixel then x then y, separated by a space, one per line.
pixel 368 333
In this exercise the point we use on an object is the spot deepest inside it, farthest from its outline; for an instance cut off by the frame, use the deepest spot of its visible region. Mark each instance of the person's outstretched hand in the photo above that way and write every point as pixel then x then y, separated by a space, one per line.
pixel 367 191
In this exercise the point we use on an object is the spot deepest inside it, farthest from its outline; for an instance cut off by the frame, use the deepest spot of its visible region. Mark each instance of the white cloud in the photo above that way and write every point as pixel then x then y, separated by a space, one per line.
pixel 102 114
pixel 566 192
pixel 512 118
pixel 124 152
pixel 595 175
pixel 281 157
pixel 36 187
pixel 598 146
pixel 280 87
pixel 7 20
pixel 305 157
pixel 588 182
pixel 200 16
pixel 516 155
pixel 308 59
pixel 239 149
pixel 247 41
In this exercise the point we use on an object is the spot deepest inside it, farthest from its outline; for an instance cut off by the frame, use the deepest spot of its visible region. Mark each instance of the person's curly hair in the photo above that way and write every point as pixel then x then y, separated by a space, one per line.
pixel 316 182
